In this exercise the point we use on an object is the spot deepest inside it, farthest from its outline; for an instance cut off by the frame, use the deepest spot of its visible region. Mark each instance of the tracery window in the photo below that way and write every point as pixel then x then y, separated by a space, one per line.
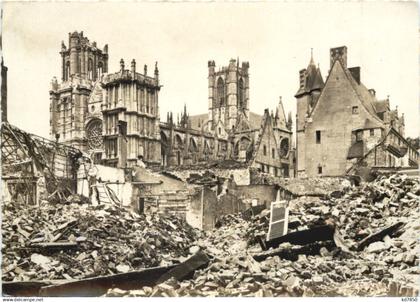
pixel 241 95
pixel 94 135
pixel 221 92
pixel 284 147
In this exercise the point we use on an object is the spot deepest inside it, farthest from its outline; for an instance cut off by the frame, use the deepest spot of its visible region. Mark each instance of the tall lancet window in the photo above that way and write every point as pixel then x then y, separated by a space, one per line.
pixel 241 94
pixel 67 72
pixel 100 70
pixel 90 69
pixel 221 92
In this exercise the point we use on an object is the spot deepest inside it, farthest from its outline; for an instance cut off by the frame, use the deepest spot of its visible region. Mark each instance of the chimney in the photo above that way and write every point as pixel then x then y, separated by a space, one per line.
pixel 339 53
pixel 122 65
pixel 302 76
pixel 355 72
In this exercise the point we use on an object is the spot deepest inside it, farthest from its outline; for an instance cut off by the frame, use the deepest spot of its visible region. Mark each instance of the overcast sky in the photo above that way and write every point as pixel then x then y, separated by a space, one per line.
pixel 275 38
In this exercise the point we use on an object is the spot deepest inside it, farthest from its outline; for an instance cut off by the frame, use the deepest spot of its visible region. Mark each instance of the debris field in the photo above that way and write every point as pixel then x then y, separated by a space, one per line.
pixel 360 241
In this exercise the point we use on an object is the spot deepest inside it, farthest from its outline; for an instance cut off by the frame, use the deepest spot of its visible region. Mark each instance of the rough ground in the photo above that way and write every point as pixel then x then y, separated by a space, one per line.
pixel 384 268
pixel 105 240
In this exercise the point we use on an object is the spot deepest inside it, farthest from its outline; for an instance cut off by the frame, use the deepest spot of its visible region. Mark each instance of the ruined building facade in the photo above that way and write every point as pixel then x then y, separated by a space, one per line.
pixel 114 117
pixel 342 127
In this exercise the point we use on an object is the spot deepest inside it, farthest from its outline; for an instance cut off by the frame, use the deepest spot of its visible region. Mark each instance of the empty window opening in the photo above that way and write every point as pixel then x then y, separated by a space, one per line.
pixel 273 153
pixel 318 136
pixel 359 136
pixel 319 169
pixel 372 132
pixel 265 150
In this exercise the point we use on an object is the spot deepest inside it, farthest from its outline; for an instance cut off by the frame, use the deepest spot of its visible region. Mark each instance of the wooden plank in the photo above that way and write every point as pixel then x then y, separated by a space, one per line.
pixel 97 286
pixel 322 233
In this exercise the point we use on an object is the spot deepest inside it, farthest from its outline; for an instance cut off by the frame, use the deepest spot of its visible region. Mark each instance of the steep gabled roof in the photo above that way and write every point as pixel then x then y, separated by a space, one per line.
pixel 281 116
pixel 266 125
pixel 255 120
pixel 242 123
pixel 369 124
pixel 318 81
pixel 313 79
pixel 363 94
pixel 382 106
pixel 197 121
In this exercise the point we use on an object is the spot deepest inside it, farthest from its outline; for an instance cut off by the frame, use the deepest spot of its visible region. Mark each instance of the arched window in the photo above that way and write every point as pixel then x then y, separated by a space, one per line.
pixel 241 93
pixel 284 147
pixel 100 69
pixel 67 72
pixel 221 92
pixel 94 134
pixel 90 69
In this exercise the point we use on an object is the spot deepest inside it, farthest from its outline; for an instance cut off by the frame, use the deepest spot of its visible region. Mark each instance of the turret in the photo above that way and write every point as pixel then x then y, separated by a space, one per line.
pixel 82 58
pixel 156 71
pixel 133 67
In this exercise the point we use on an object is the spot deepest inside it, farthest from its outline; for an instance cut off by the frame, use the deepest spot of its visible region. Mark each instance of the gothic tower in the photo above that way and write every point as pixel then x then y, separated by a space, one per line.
pixel 310 87
pixel 82 64
pixel 228 95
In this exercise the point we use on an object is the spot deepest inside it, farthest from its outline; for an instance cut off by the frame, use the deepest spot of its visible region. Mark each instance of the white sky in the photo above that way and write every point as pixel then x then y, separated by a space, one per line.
pixel 275 37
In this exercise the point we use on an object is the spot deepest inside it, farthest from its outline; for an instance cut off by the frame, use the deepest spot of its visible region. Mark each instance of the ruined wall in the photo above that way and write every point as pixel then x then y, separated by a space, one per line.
pixel 114 176
pixel 267 157
pixel 264 194
pixel 202 209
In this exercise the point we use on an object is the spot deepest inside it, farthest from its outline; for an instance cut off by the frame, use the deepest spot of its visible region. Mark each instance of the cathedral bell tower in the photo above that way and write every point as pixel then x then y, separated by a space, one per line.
pixel 228 95
pixel 82 64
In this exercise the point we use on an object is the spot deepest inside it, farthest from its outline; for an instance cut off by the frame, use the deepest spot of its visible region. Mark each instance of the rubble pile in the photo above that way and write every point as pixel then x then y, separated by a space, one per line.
pixel 78 241
pixel 378 224
pixel 364 243
pixel 365 210
pixel 232 271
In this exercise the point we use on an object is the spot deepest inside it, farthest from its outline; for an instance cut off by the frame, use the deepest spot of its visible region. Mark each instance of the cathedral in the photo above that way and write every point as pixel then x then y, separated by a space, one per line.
pixel 114 117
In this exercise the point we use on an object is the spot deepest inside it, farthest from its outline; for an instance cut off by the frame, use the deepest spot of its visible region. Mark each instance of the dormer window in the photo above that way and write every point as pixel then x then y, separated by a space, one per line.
pixel 359 136
pixel 355 110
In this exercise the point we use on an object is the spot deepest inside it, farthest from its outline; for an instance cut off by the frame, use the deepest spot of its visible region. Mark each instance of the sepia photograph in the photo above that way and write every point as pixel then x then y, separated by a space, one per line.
pixel 210 149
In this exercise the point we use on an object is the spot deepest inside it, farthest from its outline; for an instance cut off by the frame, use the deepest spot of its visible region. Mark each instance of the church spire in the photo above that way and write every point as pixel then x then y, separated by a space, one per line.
pixel 312 57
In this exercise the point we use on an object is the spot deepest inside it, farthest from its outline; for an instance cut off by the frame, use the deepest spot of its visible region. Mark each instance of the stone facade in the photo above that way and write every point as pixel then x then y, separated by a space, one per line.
pixel 114 117
pixel 72 105
pixel 340 122
pixel 130 115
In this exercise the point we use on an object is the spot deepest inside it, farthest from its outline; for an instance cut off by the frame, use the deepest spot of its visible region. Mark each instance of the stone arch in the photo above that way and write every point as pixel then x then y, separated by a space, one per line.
pixel 193 146
pixel 164 149
pixel 178 142
pixel 242 147
pixel 193 149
